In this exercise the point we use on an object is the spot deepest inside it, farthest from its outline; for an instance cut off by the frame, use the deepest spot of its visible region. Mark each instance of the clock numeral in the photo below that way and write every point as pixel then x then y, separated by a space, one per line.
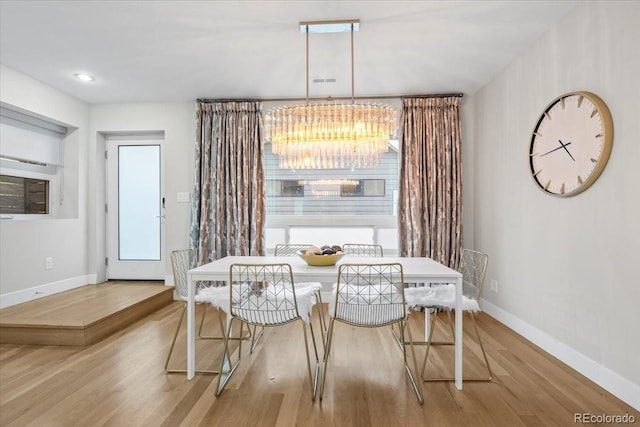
pixel 593 113
pixel 546 187
pixel 546 113
pixel 580 99
pixel 538 134
pixel 594 160
pixel 562 188
pixel 562 101
pixel 537 172
pixel 599 135
pixel 580 181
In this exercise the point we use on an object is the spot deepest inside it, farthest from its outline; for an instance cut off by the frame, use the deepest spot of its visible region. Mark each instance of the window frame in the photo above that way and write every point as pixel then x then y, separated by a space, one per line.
pixel 51 178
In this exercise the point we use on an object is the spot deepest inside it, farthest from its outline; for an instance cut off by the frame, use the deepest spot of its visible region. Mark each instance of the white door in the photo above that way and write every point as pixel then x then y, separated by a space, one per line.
pixel 135 208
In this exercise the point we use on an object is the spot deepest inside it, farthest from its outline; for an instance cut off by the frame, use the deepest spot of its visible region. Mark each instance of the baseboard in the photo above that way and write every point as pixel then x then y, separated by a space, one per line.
pixel 18 297
pixel 619 386
pixel 168 280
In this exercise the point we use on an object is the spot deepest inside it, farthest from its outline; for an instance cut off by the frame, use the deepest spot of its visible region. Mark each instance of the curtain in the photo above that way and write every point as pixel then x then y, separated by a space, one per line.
pixel 430 217
pixel 228 208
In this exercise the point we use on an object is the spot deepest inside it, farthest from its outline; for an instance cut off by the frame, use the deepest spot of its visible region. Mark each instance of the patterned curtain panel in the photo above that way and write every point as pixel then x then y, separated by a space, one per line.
pixel 228 208
pixel 430 218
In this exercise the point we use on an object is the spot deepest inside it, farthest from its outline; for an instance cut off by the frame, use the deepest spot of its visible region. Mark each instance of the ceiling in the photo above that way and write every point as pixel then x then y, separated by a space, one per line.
pixel 148 51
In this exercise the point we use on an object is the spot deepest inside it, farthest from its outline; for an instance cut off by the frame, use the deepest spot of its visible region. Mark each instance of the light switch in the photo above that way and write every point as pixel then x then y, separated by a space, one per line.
pixel 183 197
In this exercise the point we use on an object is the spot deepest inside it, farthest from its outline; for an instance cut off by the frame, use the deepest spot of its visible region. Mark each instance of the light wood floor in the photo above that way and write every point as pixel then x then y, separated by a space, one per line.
pixel 120 381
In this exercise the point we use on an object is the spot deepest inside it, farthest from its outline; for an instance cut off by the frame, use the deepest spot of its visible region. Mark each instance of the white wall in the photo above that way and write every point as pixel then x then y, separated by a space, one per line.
pixel 566 266
pixel 177 120
pixel 25 243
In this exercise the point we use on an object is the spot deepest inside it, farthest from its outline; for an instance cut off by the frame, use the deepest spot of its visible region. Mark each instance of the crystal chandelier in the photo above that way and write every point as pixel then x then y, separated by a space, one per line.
pixel 330 135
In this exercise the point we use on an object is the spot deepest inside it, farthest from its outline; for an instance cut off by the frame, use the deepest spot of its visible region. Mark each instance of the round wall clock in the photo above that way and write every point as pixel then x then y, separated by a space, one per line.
pixel 570 144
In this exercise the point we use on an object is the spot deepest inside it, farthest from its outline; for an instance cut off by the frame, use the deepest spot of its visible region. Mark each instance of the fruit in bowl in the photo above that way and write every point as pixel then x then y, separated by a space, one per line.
pixel 323 256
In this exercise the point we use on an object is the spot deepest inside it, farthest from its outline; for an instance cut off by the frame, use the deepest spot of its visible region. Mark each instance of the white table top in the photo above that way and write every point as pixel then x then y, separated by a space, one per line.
pixel 415 269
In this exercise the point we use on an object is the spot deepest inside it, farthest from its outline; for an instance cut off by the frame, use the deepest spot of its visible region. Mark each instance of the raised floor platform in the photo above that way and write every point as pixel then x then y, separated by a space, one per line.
pixel 84 315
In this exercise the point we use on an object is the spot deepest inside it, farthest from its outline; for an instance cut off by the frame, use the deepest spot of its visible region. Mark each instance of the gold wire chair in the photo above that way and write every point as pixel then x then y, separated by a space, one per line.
pixel 474 267
pixel 291 250
pixel 181 262
pixel 362 250
pixel 265 295
pixel 371 295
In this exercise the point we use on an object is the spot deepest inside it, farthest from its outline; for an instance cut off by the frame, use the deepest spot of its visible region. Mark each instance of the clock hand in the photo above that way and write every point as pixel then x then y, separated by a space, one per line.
pixel 567 150
pixel 561 146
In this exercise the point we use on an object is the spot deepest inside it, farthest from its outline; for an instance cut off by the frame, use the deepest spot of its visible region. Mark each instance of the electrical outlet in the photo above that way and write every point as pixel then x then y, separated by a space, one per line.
pixel 48 263
pixel 494 285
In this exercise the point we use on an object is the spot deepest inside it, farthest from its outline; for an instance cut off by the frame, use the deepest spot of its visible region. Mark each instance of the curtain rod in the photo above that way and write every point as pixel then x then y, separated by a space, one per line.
pixel 333 98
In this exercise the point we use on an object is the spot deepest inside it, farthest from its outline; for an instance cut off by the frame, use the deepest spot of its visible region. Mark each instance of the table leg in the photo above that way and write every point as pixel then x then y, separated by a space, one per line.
pixel 427 323
pixel 458 338
pixel 191 338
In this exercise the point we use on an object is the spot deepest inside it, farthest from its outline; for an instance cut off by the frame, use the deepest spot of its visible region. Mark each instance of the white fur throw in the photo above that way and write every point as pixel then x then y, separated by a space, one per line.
pixel 438 296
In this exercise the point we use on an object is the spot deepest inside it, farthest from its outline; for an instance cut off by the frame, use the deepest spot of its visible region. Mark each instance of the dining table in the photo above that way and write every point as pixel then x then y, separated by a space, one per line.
pixel 418 270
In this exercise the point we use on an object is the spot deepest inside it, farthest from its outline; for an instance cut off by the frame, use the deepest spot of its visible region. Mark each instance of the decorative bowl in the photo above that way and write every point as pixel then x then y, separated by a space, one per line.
pixel 320 260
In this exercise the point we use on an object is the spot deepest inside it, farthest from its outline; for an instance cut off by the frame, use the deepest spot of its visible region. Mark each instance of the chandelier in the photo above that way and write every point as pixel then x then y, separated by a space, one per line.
pixel 330 135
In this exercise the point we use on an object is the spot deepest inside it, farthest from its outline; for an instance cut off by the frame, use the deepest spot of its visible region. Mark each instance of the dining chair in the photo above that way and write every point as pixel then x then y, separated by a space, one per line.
pixel 291 250
pixel 370 296
pixel 265 295
pixel 362 250
pixel 473 268
pixel 181 262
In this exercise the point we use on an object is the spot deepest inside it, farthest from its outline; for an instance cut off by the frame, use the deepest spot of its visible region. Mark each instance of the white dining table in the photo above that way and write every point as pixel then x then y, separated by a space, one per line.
pixel 415 270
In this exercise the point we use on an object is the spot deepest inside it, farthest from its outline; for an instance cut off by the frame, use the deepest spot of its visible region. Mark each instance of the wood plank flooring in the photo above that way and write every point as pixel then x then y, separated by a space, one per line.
pixel 84 315
pixel 121 381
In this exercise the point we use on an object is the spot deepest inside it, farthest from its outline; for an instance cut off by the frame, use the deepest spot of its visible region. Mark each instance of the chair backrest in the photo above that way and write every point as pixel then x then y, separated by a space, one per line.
pixel 290 249
pixel 263 294
pixel 369 294
pixel 182 261
pixel 473 268
pixel 362 250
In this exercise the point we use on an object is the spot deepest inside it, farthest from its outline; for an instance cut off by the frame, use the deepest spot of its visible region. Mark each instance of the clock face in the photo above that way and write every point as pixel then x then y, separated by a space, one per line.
pixel 570 144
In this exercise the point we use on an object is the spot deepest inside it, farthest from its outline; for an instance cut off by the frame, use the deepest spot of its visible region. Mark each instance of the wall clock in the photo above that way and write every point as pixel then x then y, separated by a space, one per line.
pixel 570 144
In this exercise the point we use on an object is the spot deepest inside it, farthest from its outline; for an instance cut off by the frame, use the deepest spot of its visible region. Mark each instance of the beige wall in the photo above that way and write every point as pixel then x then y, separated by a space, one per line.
pixel 565 266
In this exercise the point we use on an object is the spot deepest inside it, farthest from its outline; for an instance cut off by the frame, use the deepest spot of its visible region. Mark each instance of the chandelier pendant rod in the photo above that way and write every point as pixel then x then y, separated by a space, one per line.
pixel 353 94
pixel 307 62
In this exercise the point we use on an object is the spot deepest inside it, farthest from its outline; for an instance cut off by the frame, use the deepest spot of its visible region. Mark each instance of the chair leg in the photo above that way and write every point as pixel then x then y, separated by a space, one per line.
pixel 173 343
pixel 416 387
pixel 429 340
pixel 226 370
pixel 323 323
pixel 254 337
pixel 327 350
pixel 313 378
pixel 484 354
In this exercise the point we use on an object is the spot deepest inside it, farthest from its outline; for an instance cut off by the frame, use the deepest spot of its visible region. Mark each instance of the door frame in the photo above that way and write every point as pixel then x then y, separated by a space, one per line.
pixel 133 138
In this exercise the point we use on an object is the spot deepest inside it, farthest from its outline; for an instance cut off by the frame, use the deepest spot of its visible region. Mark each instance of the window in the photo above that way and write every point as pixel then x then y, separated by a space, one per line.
pixel 20 195
pixel 365 191
pixel 284 188
pixel 31 160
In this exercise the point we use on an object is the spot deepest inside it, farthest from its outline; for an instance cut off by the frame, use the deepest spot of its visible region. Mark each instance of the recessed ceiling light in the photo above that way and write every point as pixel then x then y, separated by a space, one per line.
pixel 84 77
